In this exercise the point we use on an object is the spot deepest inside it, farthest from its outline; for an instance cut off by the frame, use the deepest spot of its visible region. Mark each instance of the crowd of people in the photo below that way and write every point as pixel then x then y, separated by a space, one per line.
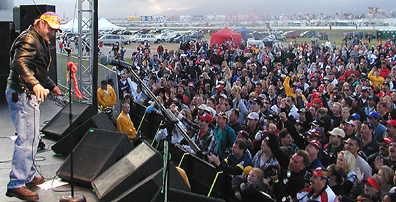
pixel 301 122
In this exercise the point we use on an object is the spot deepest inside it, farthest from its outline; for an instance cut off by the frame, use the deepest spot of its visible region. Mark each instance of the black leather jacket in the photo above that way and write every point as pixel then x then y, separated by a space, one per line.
pixel 30 61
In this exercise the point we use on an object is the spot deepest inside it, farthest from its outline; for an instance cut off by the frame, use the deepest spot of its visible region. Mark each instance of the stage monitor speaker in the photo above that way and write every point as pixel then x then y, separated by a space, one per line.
pixel 201 175
pixel 58 127
pixel 27 15
pixel 96 152
pixel 140 163
pixel 149 188
pixel 5 45
pixel 175 195
pixel 67 143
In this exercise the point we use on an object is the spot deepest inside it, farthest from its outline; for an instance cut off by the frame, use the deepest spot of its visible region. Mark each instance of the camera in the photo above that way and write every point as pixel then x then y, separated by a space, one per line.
pixel 271 170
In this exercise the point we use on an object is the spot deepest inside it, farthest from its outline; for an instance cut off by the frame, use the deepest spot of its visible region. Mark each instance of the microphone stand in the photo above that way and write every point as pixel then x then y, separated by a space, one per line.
pixel 170 123
pixel 72 197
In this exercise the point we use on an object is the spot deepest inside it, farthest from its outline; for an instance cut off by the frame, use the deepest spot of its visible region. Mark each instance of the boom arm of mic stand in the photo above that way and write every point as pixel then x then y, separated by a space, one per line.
pixel 168 114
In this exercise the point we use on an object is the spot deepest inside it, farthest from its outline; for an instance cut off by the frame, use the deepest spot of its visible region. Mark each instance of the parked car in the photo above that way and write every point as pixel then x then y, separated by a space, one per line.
pixel 291 34
pixel 308 34
pixel 164 36
pixel 111 39
pixel 173 37
pixel 197 35
pixel 126 32
pixel 146 37
pixel 276 37
pixel 323 36
pixel 183 38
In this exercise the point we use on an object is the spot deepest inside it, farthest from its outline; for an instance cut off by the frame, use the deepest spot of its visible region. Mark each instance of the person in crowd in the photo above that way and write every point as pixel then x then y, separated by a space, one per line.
pixel 369 144
pixel 319 189
pixel 225 135
pixel 335 145
pixel 385 178
pixel 107 98
pixel 291 177
pixel 236 162
pixel 124 123
pixel 264 158
pixel 353 145
pixel 247 188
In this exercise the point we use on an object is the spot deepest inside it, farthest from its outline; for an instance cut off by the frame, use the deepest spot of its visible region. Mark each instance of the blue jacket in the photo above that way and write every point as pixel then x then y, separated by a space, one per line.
pixel 225 139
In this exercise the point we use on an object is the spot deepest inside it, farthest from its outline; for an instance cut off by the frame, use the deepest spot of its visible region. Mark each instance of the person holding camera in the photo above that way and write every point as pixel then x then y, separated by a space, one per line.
pixel 292 170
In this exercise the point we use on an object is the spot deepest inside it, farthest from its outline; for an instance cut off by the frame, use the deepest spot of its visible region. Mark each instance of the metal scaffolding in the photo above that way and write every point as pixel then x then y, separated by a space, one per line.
pixel 88 54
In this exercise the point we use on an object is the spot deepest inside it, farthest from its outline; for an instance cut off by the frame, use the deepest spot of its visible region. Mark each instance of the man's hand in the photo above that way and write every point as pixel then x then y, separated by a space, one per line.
pixel 40 92
pixel 56 91
pixel 213 158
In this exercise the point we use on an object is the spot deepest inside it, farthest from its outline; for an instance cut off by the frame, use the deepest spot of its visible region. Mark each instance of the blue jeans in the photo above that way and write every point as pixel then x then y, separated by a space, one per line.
pixel 25 115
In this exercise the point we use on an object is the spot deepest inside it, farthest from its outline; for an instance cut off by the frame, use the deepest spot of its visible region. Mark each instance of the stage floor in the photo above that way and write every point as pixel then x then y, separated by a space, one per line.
pixel 47 163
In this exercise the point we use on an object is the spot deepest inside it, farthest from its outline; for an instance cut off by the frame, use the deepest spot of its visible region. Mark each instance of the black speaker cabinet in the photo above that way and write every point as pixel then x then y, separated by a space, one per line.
pixel 176 195
pixel 27 15
pixel 140 163
pixel 96 152
pixel 5 45
pixel 58 127
pixel 67 143
pixel 149 188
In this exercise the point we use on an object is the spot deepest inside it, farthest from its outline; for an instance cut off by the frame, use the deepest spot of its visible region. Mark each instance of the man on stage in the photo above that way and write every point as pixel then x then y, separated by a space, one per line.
pixel 28 85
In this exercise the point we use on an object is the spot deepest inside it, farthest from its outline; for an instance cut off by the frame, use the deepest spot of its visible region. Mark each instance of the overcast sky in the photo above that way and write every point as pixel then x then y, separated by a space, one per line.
pixel 124 8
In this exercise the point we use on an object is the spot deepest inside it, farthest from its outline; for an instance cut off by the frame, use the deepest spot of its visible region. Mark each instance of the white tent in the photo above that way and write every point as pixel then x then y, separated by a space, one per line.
pixel 107 25
pixel 103 24
pixel 72 25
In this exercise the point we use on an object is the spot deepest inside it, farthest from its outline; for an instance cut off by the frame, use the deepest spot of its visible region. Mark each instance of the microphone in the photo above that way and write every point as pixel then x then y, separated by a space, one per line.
pixel 106 60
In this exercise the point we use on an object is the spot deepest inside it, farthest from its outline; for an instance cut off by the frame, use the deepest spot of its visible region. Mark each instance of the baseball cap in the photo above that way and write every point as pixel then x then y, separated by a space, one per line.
pixel 374 115
pixel 52 19
pixel 387 140
pixel 219 87
pixel 351 122
pixel 315 123
pixel 315 94
pixel 191 84
pixel 372 182
pixel 316 144
pixel 244 134
pixel 314 132
pixel 222 115
pixel 206 117
pixel 356 116
pixel 337 131
pixel 202 106
pixel 391 122
pixel 253 115
pixel 366 198
pixel 321 172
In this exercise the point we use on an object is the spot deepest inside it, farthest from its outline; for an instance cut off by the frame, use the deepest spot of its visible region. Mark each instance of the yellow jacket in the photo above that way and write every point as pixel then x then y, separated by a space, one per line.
pixel 289 91
pixel 125 125
pixel 107 99
pixel 376 81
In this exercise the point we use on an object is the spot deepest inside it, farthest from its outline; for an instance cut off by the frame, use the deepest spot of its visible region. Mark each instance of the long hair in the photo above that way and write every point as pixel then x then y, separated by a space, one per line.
pixel 349 160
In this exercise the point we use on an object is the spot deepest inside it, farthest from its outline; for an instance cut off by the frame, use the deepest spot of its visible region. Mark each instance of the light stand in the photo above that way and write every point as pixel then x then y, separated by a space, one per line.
pixel 72 197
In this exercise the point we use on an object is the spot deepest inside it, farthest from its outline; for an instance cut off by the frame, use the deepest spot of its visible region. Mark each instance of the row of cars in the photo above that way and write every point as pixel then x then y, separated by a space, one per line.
pixel 169 36
pixel 307 34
